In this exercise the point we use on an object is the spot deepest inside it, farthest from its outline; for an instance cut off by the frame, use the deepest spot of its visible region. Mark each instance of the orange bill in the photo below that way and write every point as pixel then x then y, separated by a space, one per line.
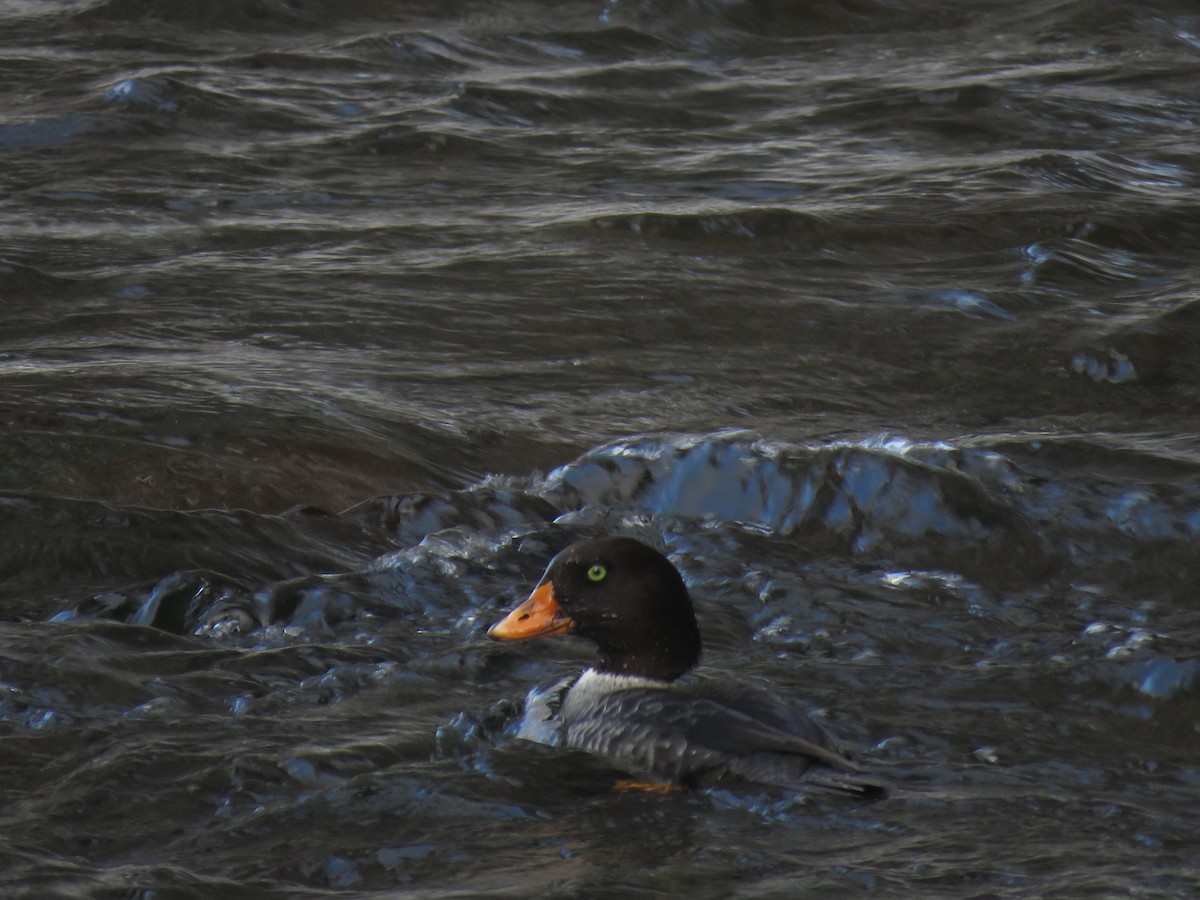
pixel 538 616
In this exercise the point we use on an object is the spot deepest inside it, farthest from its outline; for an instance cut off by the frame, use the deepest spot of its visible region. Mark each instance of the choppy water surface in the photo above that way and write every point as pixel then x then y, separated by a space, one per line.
pixel 326 324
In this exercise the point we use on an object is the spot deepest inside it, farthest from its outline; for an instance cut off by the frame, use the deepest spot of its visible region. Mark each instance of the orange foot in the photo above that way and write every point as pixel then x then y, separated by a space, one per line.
pixel 625 786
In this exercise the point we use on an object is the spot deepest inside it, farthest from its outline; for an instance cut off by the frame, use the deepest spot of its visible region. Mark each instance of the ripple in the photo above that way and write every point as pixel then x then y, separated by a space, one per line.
pixel 48 132
pixel 734 225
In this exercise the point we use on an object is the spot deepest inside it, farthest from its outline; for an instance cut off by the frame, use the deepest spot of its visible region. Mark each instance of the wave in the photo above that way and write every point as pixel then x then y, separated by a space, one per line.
pixel 886 502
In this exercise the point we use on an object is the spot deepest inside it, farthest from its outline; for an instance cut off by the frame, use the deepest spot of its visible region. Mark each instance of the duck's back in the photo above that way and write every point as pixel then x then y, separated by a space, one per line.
pixel 703 732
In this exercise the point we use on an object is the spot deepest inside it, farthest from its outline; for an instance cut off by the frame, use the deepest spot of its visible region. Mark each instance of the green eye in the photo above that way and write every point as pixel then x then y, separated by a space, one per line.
pixel 597 573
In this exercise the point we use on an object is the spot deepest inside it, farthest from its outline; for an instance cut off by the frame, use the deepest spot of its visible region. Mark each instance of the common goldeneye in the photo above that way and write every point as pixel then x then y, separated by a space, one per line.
pixel 632 709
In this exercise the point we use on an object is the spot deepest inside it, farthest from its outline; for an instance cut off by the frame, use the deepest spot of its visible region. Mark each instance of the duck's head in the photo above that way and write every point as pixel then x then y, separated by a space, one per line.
pixel 621 594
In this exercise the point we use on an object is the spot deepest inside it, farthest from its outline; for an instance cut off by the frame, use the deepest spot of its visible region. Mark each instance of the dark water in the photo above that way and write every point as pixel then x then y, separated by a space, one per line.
pixel 325 325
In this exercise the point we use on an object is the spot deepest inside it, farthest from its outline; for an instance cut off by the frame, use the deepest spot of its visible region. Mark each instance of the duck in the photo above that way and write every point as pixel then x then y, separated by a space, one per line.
pixel 641 707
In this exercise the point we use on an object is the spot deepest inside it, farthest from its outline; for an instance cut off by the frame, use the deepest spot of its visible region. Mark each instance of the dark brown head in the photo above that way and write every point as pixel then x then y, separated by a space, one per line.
pixel 621 594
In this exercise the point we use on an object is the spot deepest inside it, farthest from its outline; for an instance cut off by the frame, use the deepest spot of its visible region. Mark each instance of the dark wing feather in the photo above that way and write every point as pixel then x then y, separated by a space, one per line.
pixel 686 737
pixel 760 704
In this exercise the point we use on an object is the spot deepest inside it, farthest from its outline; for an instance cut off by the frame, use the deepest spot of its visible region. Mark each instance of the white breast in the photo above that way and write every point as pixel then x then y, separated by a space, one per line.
pixel 593 685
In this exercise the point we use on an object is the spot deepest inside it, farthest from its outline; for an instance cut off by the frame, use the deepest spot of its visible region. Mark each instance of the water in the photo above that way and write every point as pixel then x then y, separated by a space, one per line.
pixel 326 325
